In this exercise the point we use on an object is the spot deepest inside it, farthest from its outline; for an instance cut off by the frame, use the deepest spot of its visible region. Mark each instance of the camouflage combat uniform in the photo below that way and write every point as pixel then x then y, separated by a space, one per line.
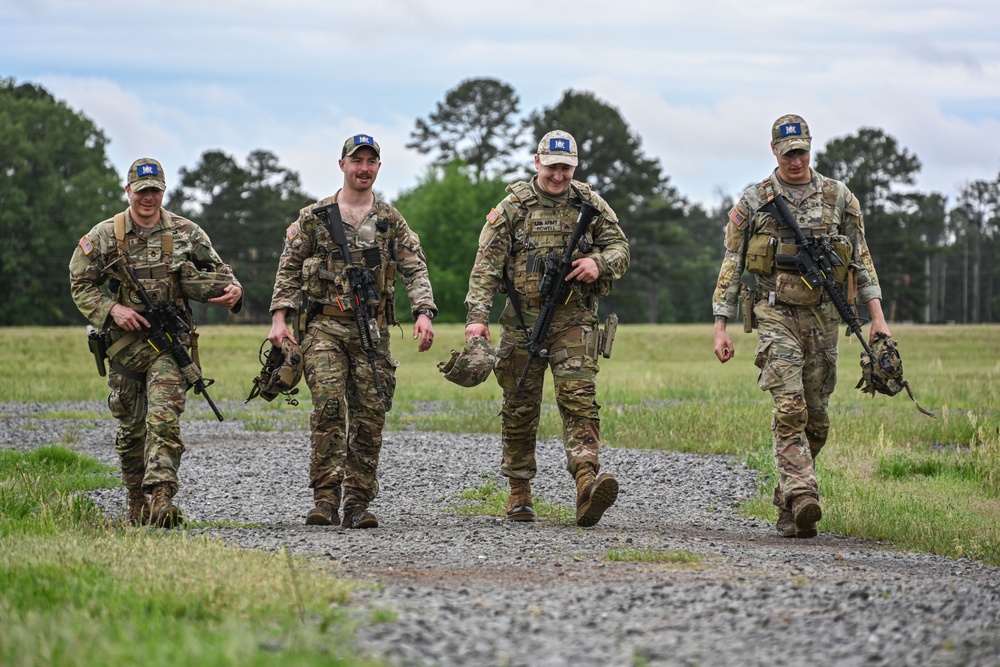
pixel 147 388
pixel 519 232
pixel 797 327
pixel 344 466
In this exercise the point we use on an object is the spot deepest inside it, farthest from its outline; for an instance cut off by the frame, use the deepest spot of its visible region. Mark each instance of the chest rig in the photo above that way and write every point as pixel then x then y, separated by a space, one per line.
pixel 324 275
pixel 151 260
pixel 818 217
pixel 538 231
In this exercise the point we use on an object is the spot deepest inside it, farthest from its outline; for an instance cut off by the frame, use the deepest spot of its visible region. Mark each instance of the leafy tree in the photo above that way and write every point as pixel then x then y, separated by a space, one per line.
pixel 244 210
pixel 475 123
pixel 900 233
pixel 974 225
pixel 611 156
pixel 651 212
pixel 56 182
pixel 448 210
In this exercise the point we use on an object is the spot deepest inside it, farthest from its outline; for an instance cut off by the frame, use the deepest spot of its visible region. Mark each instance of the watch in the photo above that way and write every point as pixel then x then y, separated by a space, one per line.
pixel 427 312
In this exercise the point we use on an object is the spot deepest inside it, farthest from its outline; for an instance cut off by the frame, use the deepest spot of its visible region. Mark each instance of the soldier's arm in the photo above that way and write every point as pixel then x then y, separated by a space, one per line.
pixel 727 288
pixel 486 277
pixel 412 265
pixel 861 258
pixel 205 257
pixel 86 276
pixel 288 279
pixel 611 249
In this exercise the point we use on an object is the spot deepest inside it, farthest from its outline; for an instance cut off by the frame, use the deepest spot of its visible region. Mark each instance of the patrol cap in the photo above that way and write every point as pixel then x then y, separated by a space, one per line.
pixel 359 141
pixel 558 146
pixel 790 133
pixel 146 173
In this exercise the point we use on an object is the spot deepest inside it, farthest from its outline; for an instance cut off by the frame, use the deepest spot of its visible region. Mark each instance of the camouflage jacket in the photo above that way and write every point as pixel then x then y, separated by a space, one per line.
pixel 310 262
pixel 526 226
pixel 156 257
pixel 827 209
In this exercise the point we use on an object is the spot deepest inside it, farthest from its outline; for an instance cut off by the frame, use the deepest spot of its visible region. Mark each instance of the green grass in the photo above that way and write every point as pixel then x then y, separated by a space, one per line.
pixel 647 555
pixel 664 389
pixel 77 590
pixel 490 499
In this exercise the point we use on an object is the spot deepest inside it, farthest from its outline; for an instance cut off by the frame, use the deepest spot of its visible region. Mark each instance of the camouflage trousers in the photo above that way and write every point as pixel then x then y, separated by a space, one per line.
pixel 797 357
pixel 574 374
pixel 148 436
pixel 348 416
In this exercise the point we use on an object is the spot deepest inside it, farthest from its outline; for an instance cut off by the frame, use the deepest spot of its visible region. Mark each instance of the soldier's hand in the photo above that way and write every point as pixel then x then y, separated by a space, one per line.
pixel 424 330
pixel 279 329
pixel 229 298
pixel 724 349
pixel 585 270
pixel 477 331
pixel 128 319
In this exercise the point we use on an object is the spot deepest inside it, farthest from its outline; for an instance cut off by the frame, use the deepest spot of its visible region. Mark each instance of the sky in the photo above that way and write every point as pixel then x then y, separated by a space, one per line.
pixel 700 83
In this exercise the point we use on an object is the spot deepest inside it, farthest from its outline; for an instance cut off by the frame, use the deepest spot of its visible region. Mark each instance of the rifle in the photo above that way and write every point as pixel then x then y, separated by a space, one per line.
pixel 815 261
pixel 553 288
pixel 361 286
pixel 165 329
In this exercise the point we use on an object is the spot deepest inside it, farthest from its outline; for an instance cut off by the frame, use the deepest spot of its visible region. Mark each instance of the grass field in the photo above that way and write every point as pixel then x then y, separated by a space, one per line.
pixel 887 473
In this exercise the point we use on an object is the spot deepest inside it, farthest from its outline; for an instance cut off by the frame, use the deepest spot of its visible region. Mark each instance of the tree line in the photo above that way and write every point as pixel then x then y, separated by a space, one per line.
pixel 937 260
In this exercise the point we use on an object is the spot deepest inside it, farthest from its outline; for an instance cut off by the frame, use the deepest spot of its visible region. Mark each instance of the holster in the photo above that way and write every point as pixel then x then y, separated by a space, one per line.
pixel 748 297
pixel 606 338
pixel 97 341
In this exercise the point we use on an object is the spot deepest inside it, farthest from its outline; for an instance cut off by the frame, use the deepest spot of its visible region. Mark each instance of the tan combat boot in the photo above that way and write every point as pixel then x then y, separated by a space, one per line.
pixel 786 523
pixel 138 513
pixel 806 512
pixel 327 510
pixel 594 495
pixel 359 517
pixel 519 507
pixel 165 513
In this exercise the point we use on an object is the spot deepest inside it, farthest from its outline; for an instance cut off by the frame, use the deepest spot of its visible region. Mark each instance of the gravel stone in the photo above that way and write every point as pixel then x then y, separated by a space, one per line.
pixel 478 590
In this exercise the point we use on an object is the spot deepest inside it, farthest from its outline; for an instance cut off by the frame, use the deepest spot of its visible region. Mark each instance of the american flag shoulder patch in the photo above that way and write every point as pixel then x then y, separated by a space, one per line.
pixel 292 231
pixel 86 245
pixel 737 216
pixel 492 216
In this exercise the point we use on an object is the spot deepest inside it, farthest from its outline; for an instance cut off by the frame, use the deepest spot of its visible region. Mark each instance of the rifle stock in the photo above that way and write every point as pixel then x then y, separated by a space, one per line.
pixel 554 289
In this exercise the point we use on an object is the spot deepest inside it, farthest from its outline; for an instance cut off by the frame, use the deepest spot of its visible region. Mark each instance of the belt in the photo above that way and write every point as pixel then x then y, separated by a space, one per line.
pixel 537 303
pixel 331 311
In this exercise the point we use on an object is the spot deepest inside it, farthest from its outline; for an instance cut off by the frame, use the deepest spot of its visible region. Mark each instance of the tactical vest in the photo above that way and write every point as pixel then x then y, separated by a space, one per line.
pixel 324 274
pixel 766 240
pixel 151 260
pixel 536 232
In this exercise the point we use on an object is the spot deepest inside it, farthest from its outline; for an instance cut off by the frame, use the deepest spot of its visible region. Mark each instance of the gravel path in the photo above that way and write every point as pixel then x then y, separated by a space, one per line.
pixel 482 591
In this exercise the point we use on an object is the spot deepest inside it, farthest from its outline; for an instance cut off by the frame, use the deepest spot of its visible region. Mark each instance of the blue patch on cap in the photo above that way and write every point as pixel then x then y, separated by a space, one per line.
pixel 791 129
pixel 557 144
pixel 148 169
pixel 363 140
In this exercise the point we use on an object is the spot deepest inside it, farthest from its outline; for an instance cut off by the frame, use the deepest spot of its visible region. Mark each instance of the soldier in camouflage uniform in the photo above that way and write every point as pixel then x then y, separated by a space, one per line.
pixel 535 219
pixel 343 465
pixel 147 388
pixel 796 326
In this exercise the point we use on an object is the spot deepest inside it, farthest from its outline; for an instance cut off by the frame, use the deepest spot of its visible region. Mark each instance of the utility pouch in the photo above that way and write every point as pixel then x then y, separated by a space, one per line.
pixel 748 297
pixel 760 254
pixel 843 249
pixel 607 335
pixel 792 290
pixel 97 341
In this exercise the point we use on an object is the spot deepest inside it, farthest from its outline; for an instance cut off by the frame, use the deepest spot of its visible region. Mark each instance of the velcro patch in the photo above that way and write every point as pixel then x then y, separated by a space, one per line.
pixel 737 216
pixel 86 245
pixel 292 231
pixel 492 216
